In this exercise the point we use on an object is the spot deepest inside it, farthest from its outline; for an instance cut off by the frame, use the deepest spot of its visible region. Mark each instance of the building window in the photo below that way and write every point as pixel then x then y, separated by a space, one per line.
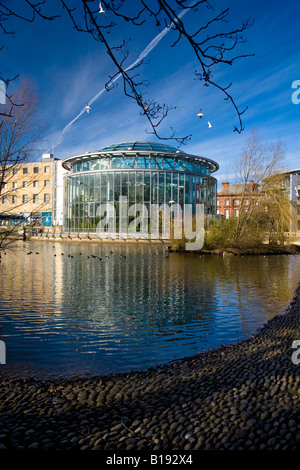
pixel 46 197
pixel 236 202
pixel 25 184
pixel 218 202
pixel 4 199
pixel 25 171
pixel 5 185
pixel 236 212
pixel 15 185
pixel 35 169
pixel 47 169
pixel 24 198
pixel 47 183
pixel 15 171
pixel 35 184
pixel 247 202
pixel 218 212
pixel 14 199
pixel 227 213
pixel 226 202
pixel 35 198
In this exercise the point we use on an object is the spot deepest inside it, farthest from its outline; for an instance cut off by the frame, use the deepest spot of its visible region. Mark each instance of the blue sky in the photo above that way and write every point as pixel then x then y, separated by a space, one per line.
pixel 69 69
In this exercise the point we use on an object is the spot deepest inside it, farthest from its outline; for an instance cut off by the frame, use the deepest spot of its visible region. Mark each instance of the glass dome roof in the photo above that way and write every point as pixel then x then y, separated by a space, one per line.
pixel 140 146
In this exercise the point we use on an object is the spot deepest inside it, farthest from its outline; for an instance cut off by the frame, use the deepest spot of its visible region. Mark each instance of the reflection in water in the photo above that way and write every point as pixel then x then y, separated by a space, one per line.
pixel 70 308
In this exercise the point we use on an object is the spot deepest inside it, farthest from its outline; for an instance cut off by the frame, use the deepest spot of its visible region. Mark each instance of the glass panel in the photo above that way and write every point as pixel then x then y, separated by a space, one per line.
pixel 175 187
pixel 132 187
pixel 154 187
pixel 168 187
pixel 117 162
pixel 110 186
pixel 129 162
pixel 94 164
pixel 139 187
pixel 103 188
pixel 189 166
pixel 79 166
pixel 117 177
pixel 124 146
pixel 146 186
pixel 159 163
pixel 97 187
pixel 85 187
pixel 104 163
pixel 91 186
pixel 204 190
pixel 124 184
pixel 181 165
pixel 168 163
pixel 181 189
pixel 85 165
pixel 193 189
pixel 161 194
pixel 142 162
pixel 153 162
pixel 142 146
pixel 188 190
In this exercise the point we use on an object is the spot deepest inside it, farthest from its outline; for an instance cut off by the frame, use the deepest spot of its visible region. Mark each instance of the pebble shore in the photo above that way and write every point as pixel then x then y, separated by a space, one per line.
pixel 244 396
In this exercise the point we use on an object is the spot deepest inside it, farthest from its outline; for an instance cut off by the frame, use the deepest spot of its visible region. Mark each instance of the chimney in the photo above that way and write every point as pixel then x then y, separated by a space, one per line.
pixel 251 185
pixel 225 185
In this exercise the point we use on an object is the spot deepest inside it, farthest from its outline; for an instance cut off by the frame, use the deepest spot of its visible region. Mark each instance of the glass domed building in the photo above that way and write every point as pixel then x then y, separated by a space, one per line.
pixel 145 173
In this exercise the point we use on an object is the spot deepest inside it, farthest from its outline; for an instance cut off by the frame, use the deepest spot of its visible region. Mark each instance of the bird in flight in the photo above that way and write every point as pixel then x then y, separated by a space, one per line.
pixel 209 124
pixel 200 114
pixel 87 108
pixel 101 9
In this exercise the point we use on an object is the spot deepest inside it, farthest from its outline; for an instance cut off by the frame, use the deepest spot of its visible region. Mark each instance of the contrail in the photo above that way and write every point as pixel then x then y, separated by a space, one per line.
pixel 152 44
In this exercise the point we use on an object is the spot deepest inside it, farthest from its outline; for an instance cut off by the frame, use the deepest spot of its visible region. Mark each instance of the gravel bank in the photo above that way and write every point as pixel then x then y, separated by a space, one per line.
pixel 244 396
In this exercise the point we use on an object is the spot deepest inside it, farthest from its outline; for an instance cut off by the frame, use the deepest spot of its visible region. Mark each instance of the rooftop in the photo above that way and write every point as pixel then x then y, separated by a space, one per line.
pixel 129 148
pixel 240 188
pixel 142 146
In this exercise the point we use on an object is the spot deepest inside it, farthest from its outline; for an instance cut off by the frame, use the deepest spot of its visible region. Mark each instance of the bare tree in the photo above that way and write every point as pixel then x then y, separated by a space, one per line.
pixel 263 202
pixel 20 133
pixel 263 210
pixel 212 41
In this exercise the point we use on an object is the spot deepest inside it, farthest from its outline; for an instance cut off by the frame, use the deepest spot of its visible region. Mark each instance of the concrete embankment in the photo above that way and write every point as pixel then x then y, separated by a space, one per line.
pixel 243 396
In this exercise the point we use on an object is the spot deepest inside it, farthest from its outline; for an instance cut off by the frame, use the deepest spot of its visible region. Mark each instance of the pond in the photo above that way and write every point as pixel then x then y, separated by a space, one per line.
pixel 75 308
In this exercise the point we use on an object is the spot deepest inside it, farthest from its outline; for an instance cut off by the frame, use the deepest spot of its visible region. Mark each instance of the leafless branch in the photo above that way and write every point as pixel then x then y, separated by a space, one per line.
pixel 208 46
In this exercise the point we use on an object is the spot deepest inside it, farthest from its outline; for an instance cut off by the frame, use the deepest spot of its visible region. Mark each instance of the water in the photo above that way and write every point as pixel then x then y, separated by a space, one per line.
pixel 135 308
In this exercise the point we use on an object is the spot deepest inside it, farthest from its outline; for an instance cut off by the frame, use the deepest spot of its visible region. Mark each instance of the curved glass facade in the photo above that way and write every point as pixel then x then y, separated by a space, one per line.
pixel 143 173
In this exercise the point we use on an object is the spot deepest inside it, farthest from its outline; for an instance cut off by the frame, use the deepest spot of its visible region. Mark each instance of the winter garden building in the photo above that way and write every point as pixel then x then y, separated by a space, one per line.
pixel 143 174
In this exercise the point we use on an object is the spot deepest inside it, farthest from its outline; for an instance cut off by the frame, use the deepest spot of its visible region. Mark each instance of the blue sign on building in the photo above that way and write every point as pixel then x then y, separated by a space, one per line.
pixel 46 219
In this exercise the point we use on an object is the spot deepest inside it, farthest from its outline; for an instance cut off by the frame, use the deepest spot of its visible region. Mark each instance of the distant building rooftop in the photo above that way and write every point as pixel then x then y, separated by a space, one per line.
pixel 239 188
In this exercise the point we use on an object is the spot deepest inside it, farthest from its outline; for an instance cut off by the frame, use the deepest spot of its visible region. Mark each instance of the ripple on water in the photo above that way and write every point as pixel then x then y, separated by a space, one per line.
pixel 62 315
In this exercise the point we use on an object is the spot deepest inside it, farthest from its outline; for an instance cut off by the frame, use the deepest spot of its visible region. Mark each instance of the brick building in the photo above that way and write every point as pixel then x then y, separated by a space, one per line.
pixel 234 198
